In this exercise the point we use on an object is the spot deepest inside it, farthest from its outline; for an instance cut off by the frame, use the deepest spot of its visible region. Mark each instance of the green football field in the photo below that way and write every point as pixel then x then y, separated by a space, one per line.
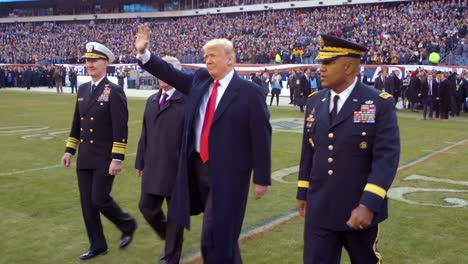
pixel 40 214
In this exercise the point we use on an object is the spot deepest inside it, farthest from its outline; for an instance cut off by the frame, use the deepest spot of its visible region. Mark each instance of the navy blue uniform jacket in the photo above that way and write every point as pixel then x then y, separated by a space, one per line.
pixel 348 162
pixel 160 141
pixel 99 125
pixel 239 142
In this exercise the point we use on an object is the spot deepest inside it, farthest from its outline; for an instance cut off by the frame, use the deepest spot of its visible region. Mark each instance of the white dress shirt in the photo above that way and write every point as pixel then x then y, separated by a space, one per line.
pixel 97 83
pixel 145 57
pixel 201 112
pixel 169 94
pixel 343 96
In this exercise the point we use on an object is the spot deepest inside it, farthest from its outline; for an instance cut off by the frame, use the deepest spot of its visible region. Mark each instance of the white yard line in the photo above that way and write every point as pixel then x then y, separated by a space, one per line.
pixel 40 168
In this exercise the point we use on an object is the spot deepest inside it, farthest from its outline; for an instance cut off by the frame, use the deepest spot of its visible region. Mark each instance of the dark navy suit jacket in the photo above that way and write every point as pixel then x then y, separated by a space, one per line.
pixel 239 142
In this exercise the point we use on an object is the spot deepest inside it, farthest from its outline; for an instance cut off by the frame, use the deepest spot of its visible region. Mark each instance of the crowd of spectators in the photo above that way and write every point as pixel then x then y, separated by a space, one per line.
pixel 34 76
pixel 394 34
pixel 62 7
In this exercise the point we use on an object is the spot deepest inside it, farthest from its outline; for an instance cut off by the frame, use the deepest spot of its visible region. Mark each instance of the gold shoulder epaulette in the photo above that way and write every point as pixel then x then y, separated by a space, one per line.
pixel 312 94
pixel 385 95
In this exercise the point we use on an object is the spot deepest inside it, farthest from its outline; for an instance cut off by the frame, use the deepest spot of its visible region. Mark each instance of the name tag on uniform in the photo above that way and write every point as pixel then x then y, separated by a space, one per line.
pixel 366 115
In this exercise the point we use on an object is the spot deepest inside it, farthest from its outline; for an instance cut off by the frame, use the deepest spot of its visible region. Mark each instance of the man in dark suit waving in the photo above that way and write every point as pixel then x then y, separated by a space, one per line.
pixel 350 154
pixel 100 129
pixel 227 134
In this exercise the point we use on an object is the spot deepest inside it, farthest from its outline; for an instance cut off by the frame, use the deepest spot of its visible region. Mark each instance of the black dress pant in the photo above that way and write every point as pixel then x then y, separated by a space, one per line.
pixel 151 208
pixel 322 246
pixel 95 187
pixel 200 170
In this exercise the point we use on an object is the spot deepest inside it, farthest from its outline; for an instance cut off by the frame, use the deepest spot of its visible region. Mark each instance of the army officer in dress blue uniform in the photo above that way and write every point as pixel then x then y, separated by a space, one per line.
pixel 157 159
pixel 350 154
pixel 100 130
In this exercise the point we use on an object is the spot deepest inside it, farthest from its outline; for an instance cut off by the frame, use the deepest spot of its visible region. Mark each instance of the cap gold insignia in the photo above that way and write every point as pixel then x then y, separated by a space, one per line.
pixel 321 43
pixel 90 48
pixel 363 145
pixel 311 142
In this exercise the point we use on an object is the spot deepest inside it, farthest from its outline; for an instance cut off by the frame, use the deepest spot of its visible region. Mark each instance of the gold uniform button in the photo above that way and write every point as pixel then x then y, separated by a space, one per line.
pixel 91 141
pixel 330 160
pixel 123 140
pixel 331 135
pixel 363 133
pixel 81 140
pixel 330 172
pixel 92 118
pixel 363 145
pixel 81 129
pixel 91 130
pixel 82 118
pixel 101 103
pixel 330 147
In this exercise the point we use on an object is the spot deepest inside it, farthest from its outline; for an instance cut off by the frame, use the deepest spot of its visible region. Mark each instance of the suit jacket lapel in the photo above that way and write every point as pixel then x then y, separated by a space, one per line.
pixel 323 112
pixel 352 104
pixel 175 97
pixel 155 104
pixel 196 99
pixel 231 92
pixel 84 97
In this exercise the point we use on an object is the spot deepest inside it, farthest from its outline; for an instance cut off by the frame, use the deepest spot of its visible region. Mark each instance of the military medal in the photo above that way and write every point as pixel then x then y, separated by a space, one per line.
pixel 366 115
pixel 104 97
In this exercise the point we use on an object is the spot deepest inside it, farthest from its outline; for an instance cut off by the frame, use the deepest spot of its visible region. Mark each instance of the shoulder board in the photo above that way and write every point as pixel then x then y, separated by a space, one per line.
pixel 312 94
pixel 385 95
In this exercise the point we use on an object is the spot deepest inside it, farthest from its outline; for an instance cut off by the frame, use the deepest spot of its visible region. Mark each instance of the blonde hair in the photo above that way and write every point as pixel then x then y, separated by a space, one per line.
pixel 223 43
pixel 174 61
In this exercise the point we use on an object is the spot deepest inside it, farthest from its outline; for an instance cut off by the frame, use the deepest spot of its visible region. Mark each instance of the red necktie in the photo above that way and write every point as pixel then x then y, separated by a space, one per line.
pixel 209 114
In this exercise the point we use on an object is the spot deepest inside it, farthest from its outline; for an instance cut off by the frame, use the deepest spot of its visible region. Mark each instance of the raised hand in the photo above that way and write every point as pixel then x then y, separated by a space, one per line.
pixel 142 38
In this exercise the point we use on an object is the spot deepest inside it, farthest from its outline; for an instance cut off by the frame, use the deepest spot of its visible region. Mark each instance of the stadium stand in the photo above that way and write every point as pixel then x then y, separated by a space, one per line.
pixel 396 33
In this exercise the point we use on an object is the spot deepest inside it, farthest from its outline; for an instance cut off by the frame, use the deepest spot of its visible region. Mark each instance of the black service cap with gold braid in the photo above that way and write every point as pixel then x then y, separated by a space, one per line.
pixel 332 47
pixel 96 50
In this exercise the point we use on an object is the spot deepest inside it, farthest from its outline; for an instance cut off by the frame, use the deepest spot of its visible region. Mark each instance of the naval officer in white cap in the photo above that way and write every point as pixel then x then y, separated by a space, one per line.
pixel 100 130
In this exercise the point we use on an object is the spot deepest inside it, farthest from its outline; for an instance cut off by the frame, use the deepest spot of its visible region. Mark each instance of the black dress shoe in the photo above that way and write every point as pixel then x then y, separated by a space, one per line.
pixel 93 253
pixel 127 238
